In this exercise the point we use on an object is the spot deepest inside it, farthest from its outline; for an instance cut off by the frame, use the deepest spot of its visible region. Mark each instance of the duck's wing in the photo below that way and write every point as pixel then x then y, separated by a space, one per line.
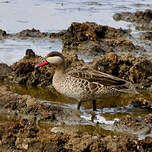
pixel 103 78
pixel 96 76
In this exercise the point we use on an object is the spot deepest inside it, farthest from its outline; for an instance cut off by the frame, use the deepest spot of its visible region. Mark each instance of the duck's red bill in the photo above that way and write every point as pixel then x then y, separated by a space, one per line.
pixel 41 64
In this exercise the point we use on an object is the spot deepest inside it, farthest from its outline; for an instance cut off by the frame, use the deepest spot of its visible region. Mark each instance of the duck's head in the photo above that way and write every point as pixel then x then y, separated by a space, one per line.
pixel 53 58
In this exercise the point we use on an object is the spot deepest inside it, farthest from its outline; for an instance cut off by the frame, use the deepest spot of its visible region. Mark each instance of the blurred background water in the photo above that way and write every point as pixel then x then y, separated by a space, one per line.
pixel 55 15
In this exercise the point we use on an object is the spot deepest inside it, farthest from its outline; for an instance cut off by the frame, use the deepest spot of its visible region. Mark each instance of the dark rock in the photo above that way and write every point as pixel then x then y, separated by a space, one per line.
pixel 95 40
pixel 128 67
pixel 29 54
pixel 5 70
pixel 33 33
pixel 146 36
pixel 140 71
pixel 3 34
pixel 133 125
pixel 143 104
pixel 25 134
pixel 143 19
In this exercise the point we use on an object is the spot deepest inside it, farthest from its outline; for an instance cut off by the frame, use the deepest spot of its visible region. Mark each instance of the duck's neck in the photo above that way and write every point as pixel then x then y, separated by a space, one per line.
pixel 59 73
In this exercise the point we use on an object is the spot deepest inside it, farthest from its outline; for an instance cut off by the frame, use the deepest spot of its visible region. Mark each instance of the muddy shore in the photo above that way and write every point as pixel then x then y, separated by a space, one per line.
pixel 26 124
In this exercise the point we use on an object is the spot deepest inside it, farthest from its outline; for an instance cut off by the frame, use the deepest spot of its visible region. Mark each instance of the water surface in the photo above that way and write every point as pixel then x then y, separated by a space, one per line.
pixel 54 15
pixel 12 50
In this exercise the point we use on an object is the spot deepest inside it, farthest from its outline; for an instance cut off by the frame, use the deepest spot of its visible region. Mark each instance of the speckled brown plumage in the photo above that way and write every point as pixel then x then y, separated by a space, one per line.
pixel 84 85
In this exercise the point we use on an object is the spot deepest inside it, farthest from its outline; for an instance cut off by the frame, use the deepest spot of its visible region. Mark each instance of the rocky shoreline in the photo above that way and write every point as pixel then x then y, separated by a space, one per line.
pixel 113 52
pixel 24 132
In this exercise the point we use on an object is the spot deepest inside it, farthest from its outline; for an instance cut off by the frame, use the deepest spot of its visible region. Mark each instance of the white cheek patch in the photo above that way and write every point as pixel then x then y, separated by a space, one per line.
pixel 55 60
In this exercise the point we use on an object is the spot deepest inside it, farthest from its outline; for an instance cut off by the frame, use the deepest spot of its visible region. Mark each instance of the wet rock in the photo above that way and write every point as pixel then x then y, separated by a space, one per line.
pixel 71 60
pixel 142 103
pixel 86 142
pixel 146 36
pixel 137 126
pixel 92 49
pixel 25 134
pixel 25 104
pixel 6 96
pixel 22 140
pixel 29 54
pixel 26 138
pixel 58 129
pixel 5 70
pixel 126 16
pixel 24 71
pixel 28 100
pixel 33 33
pixel 3 34
pixel 127 66
pixel 79 144
pixel 92 31
pixel 95 40
pixel 143 19
pixel 121 45
pixel 58 35
pixel 140 71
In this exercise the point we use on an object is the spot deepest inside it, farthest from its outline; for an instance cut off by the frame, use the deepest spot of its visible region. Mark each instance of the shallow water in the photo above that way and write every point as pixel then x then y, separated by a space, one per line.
pixel 108 110
pixel 50 95
pixel 115 106
pixel 12 50
pixel 54 15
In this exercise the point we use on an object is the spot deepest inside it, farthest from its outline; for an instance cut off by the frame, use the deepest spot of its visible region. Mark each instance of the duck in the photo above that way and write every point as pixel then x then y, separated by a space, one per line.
pixel 85 85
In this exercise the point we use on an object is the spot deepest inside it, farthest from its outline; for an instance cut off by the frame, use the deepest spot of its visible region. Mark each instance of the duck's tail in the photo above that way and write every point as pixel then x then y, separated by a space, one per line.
pixel 128 87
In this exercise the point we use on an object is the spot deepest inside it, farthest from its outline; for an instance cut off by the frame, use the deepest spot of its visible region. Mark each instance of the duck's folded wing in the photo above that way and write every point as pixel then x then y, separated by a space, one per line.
pixel 96 76
pixel 104 79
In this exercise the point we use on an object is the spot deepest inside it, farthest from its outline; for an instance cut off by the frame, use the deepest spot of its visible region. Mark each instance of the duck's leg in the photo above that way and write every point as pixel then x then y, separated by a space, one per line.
pixel 94 104
pixel 79 105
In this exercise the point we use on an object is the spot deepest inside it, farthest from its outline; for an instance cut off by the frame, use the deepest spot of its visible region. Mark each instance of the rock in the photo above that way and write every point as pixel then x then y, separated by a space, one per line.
pixel 140 71
pixel 146 36
pixel 28 100
pixel 29 54
pixel 127 66
pixel 79 144
pixel 24 72
pixel 137 126
pixel 25 134
pixel 94 40
pixel 126 16
pixel 6 96
pixel 57 129
pixel 3 34
pixel 143 19
pixel 21 144
pixel 5 70
pixel 142 103
pixel 33 33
